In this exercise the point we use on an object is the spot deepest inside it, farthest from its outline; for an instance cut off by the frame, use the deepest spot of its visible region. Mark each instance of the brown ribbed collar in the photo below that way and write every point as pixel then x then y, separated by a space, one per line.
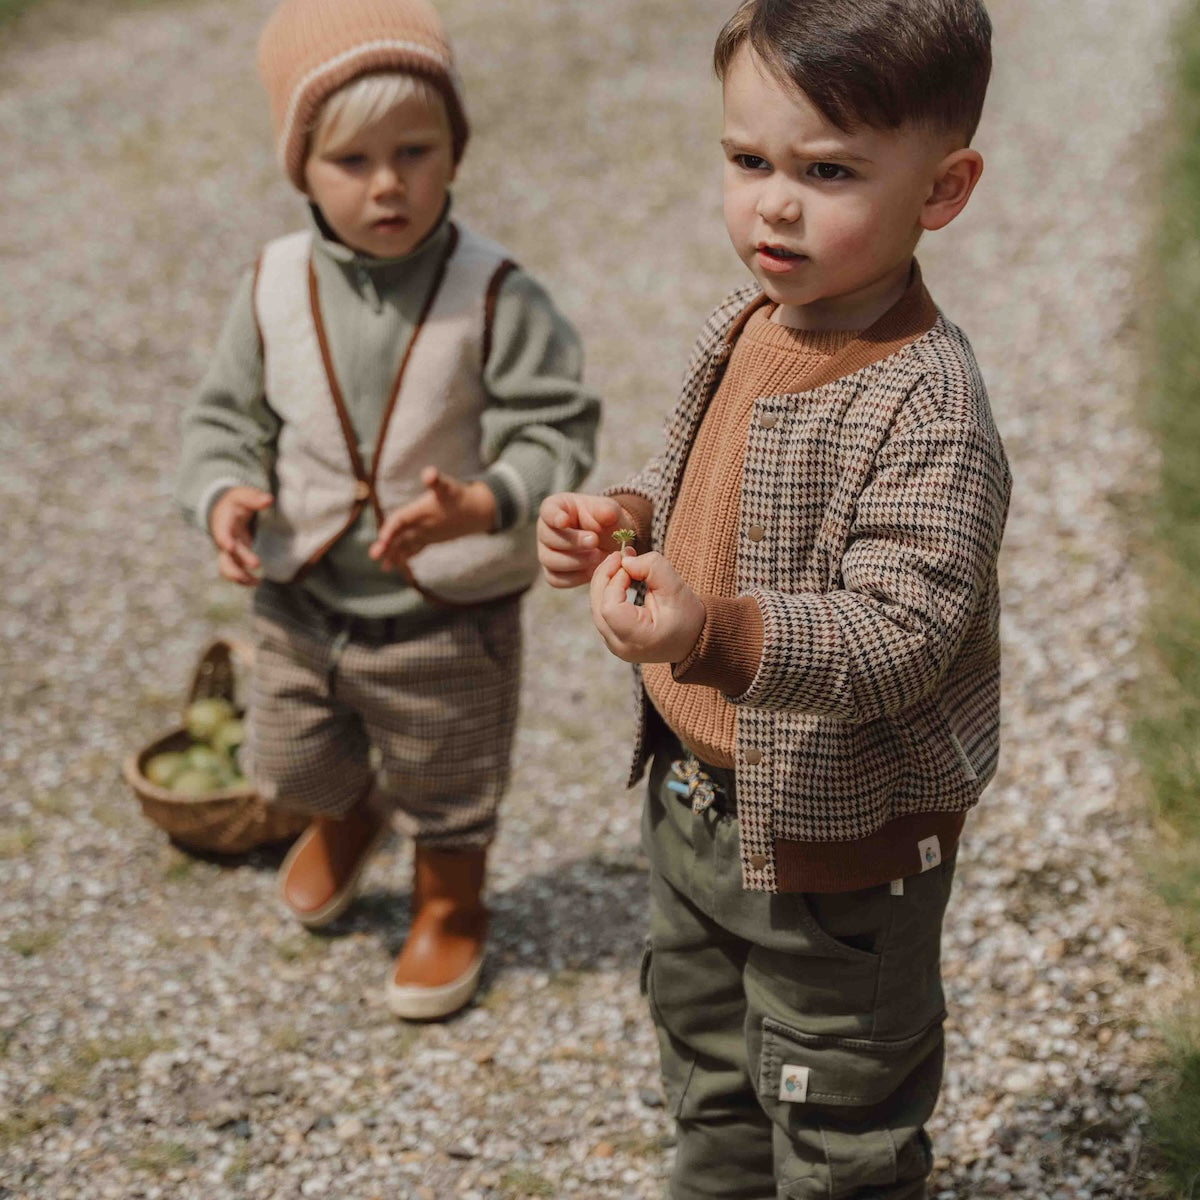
pixel 911 317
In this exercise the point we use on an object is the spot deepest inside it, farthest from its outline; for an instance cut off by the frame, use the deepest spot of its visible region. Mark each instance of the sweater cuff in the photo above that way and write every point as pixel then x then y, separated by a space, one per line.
pixel 642 512
pixel 728 652
pixel 509 494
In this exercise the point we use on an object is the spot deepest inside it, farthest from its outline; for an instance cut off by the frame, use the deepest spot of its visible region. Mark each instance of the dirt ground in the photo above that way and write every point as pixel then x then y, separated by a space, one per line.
pixel 164 1031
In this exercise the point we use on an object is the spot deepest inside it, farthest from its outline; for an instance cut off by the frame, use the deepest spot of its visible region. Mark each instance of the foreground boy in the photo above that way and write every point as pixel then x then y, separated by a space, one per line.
pixel 818 639
pixel 390 401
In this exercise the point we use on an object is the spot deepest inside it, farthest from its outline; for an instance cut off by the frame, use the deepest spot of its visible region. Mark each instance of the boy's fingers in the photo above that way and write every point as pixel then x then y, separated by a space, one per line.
pixel 558 560
pixel 566 579
pixel 640 567
pixel 229 568
pixel 565 539
pixel 244 556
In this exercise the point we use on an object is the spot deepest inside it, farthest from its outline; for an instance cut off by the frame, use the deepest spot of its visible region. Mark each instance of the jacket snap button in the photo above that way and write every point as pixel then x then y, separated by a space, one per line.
pixel 362 489
pixel 754 756
pixel 756 533
pixel 768 420
pixel 758 861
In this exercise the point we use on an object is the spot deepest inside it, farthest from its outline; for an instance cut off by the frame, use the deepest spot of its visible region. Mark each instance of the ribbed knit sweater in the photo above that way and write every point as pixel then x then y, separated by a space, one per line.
pixel 701 541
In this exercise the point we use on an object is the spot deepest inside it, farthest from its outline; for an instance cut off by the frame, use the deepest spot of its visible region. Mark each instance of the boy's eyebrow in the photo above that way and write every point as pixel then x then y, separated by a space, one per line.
pixel 815 153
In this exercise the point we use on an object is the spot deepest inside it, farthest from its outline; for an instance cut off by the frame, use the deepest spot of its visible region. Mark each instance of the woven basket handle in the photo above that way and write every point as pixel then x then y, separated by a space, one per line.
pixel 217 670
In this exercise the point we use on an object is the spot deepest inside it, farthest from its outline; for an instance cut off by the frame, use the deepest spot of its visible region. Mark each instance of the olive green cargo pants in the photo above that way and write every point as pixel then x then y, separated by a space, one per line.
pixel 800 1034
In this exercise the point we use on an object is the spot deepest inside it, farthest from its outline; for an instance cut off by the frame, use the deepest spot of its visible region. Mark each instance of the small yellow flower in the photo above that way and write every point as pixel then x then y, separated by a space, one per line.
pixel 623 537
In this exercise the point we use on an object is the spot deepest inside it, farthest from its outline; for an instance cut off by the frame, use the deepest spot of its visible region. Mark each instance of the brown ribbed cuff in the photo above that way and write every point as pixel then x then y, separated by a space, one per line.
pixel 642 512
pixel 728 651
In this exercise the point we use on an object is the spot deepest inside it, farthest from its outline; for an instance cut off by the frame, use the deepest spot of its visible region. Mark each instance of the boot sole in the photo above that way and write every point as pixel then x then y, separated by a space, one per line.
pixel 341 900
pixel 429 1003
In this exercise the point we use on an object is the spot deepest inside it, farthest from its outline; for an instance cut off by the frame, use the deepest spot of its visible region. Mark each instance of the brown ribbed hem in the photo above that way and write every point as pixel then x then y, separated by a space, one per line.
pixel 642 512
pixel 728 652
pixel 891 853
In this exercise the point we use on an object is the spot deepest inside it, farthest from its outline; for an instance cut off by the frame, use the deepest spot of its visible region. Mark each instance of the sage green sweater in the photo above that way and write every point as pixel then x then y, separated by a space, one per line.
pixel 541 423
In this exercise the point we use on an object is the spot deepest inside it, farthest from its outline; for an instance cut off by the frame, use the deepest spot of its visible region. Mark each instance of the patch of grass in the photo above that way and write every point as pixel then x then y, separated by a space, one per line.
pixel 301 947
pixel 520 1182
pixel 16 843
pixel 239 1165
pixel 16 1127
pixel 133 1048
pixel 11 9
pixel 1166 728
pixel 160 1158
pixel 31 943
pixel 289 1040
pixel 178 867
pixel 1175 1113
pixel 53 804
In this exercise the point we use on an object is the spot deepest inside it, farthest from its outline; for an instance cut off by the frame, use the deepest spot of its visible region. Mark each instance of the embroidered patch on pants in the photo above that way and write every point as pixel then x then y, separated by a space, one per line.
pixel 793 1083
pixel 930 851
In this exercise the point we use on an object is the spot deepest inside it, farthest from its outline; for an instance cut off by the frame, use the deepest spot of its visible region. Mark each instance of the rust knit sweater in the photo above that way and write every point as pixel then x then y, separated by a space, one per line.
pixel 768 359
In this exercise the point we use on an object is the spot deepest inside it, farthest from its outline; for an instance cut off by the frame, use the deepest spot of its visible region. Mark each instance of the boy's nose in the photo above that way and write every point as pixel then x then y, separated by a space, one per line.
pixel 777 204
pixel 387 181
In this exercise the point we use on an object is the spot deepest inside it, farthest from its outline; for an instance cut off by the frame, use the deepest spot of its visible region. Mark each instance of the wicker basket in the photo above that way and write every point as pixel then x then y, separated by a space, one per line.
pixel 231 820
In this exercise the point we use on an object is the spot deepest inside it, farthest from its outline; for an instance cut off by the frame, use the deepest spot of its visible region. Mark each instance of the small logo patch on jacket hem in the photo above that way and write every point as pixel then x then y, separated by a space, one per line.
pixel 930 851
pixel 793 1083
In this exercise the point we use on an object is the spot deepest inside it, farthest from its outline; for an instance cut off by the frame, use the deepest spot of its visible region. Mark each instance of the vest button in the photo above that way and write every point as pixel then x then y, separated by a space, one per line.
pixel 756 533
pixel 768 421
pixel 362 490
pixel 758 861
pixel 754 756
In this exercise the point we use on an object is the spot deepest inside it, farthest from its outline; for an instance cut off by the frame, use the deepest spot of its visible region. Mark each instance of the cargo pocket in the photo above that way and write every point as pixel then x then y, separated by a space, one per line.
pixel 676 1063
pixel 852 1108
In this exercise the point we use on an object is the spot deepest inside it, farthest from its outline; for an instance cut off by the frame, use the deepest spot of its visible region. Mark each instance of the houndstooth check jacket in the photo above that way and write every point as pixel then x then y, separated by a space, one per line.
pixel 876 503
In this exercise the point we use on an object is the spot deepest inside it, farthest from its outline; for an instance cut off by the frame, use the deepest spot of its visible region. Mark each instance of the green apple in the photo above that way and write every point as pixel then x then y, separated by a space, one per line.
pixel 195 782
pixel 204 717
pixel 229 735
pixel 163 768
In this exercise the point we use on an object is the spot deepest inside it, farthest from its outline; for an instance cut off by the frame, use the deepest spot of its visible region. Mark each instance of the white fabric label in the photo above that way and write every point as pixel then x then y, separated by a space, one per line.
pixel 897 887
pixel 793 1083
pixel 930 851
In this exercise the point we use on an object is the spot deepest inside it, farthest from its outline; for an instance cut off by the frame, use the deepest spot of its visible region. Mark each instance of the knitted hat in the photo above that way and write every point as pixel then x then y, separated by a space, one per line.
pixel 310 48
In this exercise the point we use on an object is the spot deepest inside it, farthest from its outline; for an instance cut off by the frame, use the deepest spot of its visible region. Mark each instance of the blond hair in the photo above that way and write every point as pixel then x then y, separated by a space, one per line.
pixel 364 100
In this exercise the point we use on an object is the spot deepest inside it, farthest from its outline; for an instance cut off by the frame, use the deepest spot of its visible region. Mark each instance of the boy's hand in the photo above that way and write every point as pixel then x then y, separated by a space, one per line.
pixel 574 535
pixel 447 509
pixel 664 628
pixel 230 522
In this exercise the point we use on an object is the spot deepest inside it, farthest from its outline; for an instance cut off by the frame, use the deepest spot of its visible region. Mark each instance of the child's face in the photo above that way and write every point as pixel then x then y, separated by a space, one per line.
pixel 826 221
pixel 383 190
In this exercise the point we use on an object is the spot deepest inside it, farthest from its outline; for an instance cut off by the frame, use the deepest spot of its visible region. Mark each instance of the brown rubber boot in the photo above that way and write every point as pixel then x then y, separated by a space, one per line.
pixel 438 969
pixel 319 878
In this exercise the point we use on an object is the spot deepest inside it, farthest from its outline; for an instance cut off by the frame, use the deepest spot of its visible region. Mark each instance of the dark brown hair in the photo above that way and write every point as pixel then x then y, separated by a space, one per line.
pixel 878 63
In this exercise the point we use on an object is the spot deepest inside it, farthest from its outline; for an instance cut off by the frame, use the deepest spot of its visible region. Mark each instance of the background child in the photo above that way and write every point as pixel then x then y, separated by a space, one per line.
pixel 819 679
pixel 390 400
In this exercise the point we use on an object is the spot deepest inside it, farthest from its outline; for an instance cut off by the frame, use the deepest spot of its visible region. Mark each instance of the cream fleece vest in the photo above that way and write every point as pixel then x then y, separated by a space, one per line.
pixel 432 418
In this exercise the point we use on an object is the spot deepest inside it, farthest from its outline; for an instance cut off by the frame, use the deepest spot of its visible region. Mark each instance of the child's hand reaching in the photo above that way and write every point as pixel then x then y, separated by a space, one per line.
pixel 230 522
pixel 447 509
pixel 664 628
pixel 574 534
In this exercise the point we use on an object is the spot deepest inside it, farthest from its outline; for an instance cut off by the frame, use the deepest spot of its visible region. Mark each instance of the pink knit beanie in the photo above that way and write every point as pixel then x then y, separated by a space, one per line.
pixel 310 48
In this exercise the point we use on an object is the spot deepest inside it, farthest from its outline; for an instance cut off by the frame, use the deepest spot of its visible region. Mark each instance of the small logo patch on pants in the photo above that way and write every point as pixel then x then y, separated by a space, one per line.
pixel 930 851
pixel 793 1083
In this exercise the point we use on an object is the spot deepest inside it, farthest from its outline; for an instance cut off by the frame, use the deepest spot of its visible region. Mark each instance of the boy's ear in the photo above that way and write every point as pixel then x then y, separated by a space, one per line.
pixel 954 181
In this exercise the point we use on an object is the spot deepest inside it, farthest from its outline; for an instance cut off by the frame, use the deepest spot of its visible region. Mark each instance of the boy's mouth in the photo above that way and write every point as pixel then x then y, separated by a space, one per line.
pixel 777 258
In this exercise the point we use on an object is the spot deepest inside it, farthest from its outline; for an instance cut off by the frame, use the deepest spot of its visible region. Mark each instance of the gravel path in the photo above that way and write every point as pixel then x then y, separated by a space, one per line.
pixel 163 1031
